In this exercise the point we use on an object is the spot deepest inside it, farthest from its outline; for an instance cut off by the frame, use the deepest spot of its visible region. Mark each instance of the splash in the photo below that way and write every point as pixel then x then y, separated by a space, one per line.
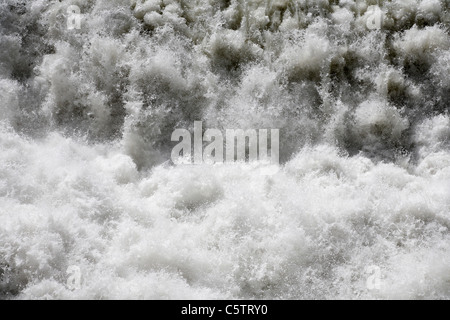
pixel 87 114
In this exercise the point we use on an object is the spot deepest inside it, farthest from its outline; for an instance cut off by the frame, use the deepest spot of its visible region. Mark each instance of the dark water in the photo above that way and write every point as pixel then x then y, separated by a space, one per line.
pixel 86 117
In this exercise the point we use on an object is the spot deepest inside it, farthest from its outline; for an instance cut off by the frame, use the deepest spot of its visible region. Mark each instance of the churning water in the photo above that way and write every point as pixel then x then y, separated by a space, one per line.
pixel 360 205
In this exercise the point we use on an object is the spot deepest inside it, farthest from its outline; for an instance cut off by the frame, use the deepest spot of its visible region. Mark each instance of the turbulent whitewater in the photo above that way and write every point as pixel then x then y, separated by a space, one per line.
pixel 360 205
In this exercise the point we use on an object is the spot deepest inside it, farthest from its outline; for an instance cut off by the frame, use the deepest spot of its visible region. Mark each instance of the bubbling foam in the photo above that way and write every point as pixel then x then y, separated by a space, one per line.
pixel 86 117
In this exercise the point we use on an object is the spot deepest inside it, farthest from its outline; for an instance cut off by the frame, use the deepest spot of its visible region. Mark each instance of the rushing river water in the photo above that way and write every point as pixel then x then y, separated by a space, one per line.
pixel 358 208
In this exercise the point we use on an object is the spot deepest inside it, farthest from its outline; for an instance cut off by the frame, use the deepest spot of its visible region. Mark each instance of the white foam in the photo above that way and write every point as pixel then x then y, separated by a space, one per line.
pixel 86 118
